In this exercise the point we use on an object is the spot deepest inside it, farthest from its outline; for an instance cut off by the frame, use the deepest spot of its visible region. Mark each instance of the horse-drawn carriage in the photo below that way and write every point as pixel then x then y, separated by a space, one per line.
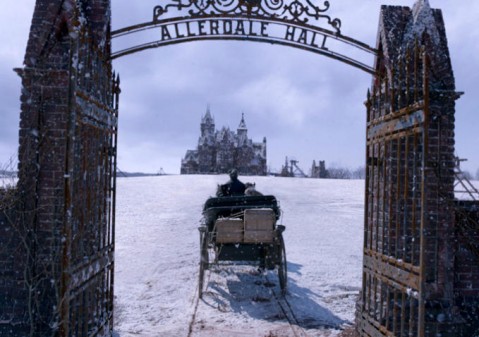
pixel 242 229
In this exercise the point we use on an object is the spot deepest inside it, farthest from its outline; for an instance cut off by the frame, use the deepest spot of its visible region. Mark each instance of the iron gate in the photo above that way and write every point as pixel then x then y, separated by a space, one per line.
pixel 396 153
pixel 88 260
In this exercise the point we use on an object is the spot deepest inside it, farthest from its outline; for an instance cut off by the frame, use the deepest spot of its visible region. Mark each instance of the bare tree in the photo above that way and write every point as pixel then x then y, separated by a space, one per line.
pixel 339 173
pixel 359 173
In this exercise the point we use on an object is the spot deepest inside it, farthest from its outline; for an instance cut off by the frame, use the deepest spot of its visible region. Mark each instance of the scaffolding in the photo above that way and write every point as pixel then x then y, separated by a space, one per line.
pixel 463 187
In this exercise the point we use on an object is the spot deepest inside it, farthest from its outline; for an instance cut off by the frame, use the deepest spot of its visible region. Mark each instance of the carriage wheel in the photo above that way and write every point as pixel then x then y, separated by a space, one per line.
pixel 282 265
pixel 204 259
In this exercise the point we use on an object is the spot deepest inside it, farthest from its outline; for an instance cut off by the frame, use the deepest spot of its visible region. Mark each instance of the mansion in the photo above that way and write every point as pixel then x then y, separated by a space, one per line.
pixel 218 151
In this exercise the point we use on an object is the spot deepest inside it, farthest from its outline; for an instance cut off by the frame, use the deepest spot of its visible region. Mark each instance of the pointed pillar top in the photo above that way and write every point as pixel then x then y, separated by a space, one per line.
pixel 422 20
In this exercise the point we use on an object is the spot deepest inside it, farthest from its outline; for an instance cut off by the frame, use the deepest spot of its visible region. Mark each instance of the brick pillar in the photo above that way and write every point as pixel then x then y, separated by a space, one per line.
pixel 466 267
pixel 43 137
pixel 438 235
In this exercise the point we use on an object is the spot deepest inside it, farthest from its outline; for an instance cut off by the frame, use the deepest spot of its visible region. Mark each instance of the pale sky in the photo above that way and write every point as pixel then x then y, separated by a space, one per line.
pixel 308 106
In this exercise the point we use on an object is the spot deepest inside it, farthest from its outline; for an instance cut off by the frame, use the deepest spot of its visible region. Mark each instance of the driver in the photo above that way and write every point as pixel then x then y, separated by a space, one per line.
pixel 232 187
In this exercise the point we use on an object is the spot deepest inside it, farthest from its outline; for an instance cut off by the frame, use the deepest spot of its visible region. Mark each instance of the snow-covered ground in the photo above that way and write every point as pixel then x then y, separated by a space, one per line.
pixel 157 256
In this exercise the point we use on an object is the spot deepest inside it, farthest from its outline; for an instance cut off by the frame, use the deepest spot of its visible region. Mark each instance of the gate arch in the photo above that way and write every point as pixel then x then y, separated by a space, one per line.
pixel 61 225
pixel 287 23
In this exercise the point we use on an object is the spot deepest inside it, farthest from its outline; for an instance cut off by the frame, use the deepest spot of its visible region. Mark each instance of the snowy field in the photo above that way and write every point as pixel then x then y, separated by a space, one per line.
pixel 157 256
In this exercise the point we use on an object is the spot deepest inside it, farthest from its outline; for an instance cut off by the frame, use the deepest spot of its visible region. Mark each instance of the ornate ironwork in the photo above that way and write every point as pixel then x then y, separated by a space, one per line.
pixel 298 11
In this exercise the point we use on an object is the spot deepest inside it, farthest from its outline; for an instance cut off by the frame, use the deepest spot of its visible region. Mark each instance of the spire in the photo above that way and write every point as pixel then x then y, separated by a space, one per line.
pixel 207 118
pixel 242 125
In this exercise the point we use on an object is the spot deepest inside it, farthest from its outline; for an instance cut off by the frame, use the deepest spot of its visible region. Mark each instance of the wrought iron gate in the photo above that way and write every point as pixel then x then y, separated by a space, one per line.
pixel 88 261
pixel 396 154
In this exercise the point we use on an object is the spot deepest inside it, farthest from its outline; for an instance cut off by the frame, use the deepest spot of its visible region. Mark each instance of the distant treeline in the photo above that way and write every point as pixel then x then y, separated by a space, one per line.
pixel 122 174
pixel 345 173
pixel 360 173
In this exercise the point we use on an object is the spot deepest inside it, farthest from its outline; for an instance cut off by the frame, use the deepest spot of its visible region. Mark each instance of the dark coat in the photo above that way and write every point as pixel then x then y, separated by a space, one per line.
pixel 232 187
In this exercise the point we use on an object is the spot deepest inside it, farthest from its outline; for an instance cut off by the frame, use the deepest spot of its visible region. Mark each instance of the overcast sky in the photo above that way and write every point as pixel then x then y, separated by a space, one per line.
pixel 308 106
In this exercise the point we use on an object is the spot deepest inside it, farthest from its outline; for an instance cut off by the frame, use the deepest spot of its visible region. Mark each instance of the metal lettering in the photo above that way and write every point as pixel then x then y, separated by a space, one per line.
pixel 207 27
pixel 250 32
pixel 264 26
pixel 188 31
pixel 237 27
pixel 201 27
pixel 323 46
pixel 165 34
pixel 227 27
pixel 240 28
pixel 303 36
pixel 290 33
pixel 313 40
pixel 214 27
pixel 177 31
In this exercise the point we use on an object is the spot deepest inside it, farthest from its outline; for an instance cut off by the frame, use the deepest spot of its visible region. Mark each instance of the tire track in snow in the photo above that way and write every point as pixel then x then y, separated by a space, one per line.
pixel 288 312
pixel 196 301
pixel 281 302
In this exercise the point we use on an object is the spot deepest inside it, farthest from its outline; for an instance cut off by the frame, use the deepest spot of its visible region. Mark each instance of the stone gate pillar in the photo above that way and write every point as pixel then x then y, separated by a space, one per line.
pixel 62 282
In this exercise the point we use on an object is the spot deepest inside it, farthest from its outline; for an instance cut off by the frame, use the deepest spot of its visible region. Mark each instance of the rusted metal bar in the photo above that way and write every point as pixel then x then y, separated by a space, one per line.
pixel 406 279
pixel 387 313
pixel 384 163
pixel 406 223
pixel 403 314
pixel 422 288
pixel 407 76
pixel 397 199
pixel 394 261
pixel 414 196
pixel 416 70
pixel 117 92
pixel 377 187
pixel 412 316
pixel 374 328
pixel 404 111
pixel 395 313
pixel 393 89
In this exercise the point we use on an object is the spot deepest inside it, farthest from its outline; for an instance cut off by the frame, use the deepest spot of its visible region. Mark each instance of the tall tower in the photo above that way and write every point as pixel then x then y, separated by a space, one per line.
pixel 207 124
pixel 242 132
